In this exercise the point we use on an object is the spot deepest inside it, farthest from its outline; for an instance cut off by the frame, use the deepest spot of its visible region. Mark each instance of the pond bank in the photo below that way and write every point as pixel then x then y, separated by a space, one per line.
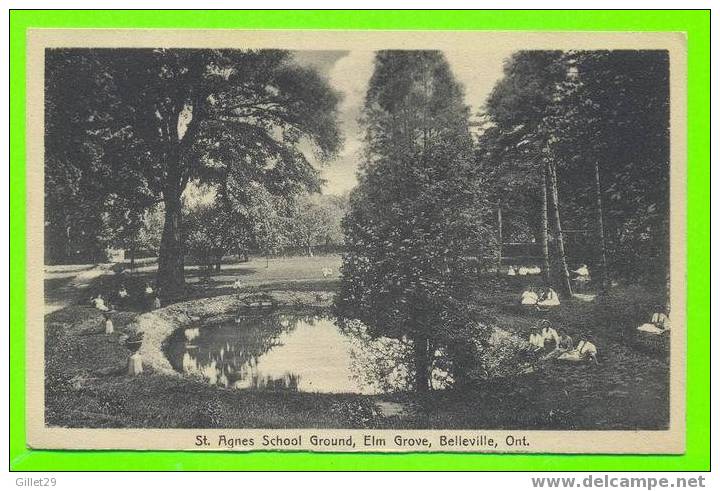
pixel 156 326
pixel 88 386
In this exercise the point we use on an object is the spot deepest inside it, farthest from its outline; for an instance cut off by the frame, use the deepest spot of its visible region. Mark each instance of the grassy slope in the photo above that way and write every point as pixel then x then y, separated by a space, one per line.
pixel 88 388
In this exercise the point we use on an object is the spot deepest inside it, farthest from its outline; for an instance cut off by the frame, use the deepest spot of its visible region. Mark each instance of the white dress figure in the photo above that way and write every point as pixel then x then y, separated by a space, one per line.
pixel 659 323
pixel 135 365
pixel 549 333
pixel 99 303
pixel 511 271
pixel 109 329
pixel 156 303
pixel 148 290
pixel 585 351
pixel 528 297
pixel 550 299
pixel 582 270
pixel 536 341
pixel 123 293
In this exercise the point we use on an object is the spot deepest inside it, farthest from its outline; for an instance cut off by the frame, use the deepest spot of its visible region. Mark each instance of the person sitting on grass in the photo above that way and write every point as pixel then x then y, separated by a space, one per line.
pixel 99 303
pixel 563 344
pixel 582 272
pixel 584 352
pixel 529 297
pixel 536 341
pixel 549 334
pixel 566 343
pixel 659 322
pixel 549 298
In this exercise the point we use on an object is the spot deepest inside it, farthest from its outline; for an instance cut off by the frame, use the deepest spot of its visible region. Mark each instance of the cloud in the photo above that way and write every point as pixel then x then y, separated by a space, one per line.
pixel 478 71
pixel 349 75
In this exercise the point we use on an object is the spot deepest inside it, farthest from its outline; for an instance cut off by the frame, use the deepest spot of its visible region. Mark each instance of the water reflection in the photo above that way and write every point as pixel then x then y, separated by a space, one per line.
pixel 288 352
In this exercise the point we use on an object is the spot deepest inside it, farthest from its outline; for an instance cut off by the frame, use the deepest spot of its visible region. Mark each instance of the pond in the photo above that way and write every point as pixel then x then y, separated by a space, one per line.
pixel 274 351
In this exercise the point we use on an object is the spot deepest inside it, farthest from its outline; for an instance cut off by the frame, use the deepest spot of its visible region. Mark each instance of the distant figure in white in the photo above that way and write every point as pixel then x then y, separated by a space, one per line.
pixel 536 341
pixel 148 289
pixel 156 303
pixel 123 293
pixel 585 351
pixel 549 298
pixel 511 271
pixel 582 271
pixel 327 272
pixel 529 297
pixel 659 323
pixel 99 303
pixel 236 285
pixel 548 333
pixel 109 328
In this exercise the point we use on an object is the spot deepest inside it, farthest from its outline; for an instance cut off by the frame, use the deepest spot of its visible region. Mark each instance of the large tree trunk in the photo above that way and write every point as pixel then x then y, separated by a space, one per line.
pixel 544 231
pixel 171 263
pixel 601 261
pixel 422 363
pixel 565 287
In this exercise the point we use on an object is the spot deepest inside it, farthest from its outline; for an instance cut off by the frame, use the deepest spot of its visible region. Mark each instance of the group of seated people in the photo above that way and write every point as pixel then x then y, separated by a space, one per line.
pixel 560 347
pixel 539 298
pixel 659 322
pixel 523 270
pixel 122 297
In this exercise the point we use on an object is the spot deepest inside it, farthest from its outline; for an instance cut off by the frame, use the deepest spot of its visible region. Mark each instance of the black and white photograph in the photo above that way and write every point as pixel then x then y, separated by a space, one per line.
pixel 349 242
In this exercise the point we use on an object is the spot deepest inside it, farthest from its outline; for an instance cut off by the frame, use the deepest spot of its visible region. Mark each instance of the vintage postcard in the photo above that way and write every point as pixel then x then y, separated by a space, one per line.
pixel 356 241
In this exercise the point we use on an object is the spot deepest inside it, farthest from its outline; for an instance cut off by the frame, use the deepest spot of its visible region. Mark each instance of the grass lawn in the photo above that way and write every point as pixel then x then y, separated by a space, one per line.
pixel 87 385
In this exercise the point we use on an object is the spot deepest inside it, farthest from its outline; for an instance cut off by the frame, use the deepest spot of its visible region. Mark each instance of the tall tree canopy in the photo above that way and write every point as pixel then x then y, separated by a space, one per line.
pixel 596 123
pixel 417 211
pixel 154 119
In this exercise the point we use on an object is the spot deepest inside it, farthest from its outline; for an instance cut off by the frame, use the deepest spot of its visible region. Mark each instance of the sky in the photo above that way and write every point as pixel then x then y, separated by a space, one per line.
pixel 349 72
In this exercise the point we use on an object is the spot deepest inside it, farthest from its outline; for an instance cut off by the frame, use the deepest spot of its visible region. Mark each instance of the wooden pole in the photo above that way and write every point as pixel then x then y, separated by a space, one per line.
pixel 499 239
pixel 602 261
pixel 544 233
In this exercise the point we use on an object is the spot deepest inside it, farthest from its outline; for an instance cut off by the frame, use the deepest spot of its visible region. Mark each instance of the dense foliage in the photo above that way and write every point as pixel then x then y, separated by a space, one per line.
pixel 417 213
pixel 148 121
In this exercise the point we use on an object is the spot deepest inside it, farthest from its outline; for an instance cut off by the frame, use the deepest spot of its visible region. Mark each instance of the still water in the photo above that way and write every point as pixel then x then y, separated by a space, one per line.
pixel 288 352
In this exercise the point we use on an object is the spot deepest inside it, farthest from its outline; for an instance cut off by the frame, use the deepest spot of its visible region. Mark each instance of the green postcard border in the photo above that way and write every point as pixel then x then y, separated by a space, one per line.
pixel 696 23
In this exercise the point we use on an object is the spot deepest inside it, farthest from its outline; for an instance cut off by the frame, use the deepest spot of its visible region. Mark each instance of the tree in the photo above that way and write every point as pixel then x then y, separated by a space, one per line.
pixel 519 107
pixel 211 232
pixel 212 115
pixel 612 129
pixel 317 219
pixel 269 216
pixel 600 119
pixel 417 212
